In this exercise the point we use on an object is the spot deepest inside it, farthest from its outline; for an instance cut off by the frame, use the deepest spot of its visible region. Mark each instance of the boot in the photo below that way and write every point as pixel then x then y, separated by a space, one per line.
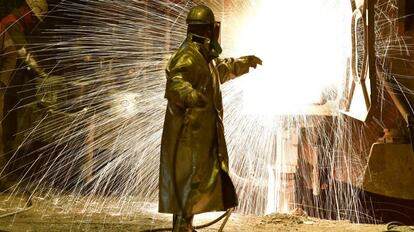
pixel 183 224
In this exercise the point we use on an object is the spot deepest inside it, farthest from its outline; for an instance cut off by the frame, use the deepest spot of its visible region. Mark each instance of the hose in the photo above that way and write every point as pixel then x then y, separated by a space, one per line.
pixel 391 226
pixel 227 213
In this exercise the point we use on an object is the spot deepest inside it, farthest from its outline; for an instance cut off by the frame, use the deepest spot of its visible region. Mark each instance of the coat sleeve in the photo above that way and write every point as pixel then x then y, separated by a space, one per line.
pixel 31 62
pixel 19 39
pixel 181 77
pixel 231 68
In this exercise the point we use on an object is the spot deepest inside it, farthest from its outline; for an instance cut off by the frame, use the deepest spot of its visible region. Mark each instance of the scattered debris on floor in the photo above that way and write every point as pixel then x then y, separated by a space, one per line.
pixel 282 219
pixel 92 213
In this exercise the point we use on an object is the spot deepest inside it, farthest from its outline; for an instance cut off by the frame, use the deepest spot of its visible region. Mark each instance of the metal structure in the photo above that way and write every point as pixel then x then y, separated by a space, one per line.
pixel 360 89
pixel 389 175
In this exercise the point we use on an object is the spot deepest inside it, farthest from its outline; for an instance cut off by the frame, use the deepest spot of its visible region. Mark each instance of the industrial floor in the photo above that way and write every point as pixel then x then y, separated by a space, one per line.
pixel 73 213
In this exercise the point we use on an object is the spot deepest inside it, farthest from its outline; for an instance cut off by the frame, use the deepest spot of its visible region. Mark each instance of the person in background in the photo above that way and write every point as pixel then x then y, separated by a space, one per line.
pixel 13 51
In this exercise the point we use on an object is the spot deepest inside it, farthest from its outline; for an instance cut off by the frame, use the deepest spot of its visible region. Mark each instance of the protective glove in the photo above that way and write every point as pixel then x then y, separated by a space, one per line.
pixel 252 61
pixel 196 99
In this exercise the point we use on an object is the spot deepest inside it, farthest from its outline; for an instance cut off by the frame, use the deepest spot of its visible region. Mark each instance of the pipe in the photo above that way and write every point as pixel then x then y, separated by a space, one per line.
pixel 402 105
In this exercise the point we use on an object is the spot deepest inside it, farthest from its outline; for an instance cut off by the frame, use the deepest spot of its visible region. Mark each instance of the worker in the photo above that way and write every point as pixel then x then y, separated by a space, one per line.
pixel 13 49
pixel 194 170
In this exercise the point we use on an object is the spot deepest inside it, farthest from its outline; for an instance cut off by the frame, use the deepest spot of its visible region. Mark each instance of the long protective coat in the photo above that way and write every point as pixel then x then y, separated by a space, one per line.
pixel 194 161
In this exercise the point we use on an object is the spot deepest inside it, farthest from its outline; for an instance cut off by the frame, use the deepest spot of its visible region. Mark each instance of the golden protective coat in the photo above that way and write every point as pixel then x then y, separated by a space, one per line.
pixel 194 161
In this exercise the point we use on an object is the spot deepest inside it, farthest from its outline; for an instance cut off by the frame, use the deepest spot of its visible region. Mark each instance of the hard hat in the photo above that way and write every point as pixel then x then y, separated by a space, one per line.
pixel 38 7
pixel 200 15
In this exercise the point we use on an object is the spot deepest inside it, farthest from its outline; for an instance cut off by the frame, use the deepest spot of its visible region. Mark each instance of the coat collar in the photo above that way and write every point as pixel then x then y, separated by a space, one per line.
pixel 200 48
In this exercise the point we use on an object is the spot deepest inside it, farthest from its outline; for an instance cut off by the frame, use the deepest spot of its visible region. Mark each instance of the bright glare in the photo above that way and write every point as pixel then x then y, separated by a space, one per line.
pixel 304 46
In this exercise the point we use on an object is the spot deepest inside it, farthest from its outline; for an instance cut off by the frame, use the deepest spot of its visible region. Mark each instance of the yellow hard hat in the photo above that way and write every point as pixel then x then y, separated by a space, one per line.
pixel 38 7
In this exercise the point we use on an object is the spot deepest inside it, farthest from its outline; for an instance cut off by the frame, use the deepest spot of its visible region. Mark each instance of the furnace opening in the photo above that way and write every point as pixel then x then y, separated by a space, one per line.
pixel 305 46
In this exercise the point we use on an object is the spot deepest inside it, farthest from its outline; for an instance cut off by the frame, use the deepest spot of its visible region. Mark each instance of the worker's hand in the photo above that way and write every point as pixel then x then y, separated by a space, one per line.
pixel 253 61
pixel 196 99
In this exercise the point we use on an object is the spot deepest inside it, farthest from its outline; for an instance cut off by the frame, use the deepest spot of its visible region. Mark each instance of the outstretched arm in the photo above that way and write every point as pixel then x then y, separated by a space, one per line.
pixel 46 83
pixel 231 68
pixel 31 62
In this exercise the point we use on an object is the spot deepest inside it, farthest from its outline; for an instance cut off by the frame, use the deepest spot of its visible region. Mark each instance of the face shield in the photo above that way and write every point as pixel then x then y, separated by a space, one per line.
pixel 216 49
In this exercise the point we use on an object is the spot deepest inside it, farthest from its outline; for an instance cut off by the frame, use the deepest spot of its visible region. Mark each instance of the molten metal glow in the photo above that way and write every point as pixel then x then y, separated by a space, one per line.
pixel 304 46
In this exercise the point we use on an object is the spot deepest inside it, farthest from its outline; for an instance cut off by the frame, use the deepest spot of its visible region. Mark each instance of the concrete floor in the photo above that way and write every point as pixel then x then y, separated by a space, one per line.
pixel 74 213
